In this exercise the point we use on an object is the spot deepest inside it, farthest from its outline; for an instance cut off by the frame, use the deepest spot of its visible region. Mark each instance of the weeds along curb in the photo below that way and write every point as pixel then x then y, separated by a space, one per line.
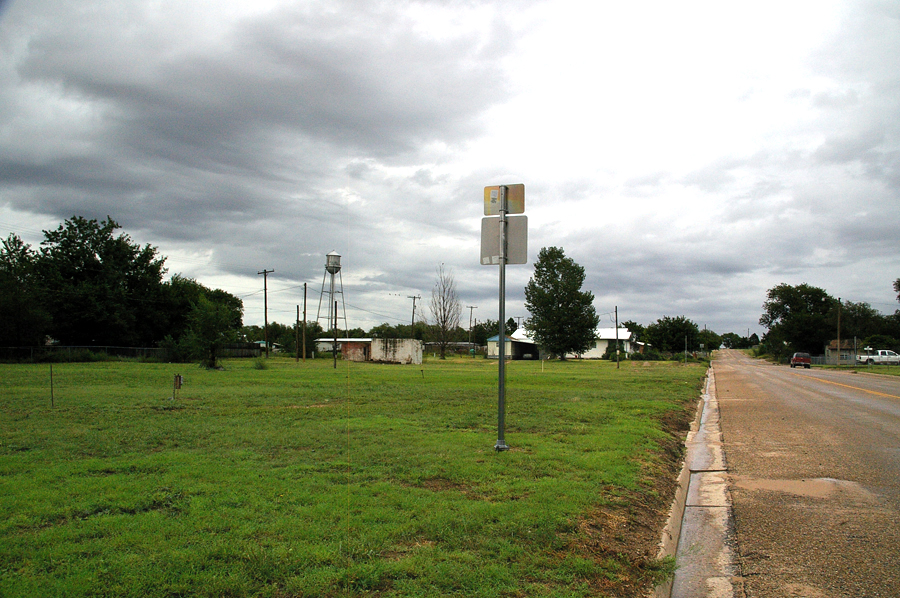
pixel 668 544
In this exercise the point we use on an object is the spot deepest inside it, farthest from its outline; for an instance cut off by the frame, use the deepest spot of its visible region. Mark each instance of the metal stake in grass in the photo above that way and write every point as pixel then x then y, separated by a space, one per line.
pixel 176 386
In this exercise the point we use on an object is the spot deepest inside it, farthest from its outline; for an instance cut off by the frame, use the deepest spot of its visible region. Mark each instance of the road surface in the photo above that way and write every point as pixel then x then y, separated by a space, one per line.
pixel 813 462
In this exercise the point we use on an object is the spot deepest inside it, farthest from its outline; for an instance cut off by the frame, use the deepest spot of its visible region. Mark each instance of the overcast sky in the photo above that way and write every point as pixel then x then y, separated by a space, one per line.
pixel 690 155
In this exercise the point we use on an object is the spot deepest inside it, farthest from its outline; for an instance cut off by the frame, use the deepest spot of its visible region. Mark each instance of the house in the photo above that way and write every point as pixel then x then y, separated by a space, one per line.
pixel 381 350
pixel 606 337
pixel 848 353
pixel 519 345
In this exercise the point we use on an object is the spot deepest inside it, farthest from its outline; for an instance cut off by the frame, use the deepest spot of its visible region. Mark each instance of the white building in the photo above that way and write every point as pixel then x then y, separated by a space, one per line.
pixel 383 350
pixel 519 345
pixel 606 337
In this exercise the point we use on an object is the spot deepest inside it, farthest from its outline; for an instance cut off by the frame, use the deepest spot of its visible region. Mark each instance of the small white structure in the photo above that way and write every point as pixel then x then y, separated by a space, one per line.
pixel 381 350
pixel 519 345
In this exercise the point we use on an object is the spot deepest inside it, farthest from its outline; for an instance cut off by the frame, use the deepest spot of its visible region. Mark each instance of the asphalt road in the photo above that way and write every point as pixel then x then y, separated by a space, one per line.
pixel 814 474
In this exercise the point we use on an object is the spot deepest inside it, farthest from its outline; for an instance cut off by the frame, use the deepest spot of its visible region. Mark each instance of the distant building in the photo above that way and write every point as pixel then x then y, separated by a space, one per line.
pixel 381 350
pixel 847 353
pixel 519 345
pixel 606 337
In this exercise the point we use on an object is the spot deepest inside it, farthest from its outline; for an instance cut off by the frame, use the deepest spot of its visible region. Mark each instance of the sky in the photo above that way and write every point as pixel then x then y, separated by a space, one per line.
pixel 689 155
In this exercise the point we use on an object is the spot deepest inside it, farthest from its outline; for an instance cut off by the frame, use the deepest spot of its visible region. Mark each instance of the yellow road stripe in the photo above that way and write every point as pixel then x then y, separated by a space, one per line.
pixel 874 392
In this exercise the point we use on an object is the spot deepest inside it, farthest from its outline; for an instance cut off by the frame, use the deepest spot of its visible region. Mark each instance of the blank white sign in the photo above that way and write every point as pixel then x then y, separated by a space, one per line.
pixel 516 240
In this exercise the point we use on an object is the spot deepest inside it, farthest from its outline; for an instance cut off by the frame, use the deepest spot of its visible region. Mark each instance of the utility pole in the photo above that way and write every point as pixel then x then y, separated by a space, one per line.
pixel 470 308
pixel 839 333
pixel 412 322
pixel 265 274
pixel 304 322
pixel 617 336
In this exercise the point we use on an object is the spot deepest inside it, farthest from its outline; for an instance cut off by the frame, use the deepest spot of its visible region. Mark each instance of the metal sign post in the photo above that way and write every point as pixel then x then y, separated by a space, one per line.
pixel 501 398
pixel 499 234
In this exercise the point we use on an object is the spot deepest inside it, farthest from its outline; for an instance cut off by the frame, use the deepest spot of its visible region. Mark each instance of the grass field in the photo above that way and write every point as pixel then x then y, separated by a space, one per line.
pixel 365 480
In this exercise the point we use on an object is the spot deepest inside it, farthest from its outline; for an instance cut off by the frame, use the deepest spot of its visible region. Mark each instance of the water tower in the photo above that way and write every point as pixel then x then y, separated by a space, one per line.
pixel 328 294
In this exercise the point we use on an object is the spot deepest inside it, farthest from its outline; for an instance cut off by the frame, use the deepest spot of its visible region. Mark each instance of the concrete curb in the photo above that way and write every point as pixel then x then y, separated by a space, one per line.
pixel 700 526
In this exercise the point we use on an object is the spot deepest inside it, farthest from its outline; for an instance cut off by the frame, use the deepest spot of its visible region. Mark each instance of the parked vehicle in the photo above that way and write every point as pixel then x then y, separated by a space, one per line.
pixel 801 359
pixel 881 356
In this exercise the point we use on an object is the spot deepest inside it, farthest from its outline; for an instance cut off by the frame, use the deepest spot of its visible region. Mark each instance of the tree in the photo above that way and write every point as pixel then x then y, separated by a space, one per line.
pixel 212 325
pixel 445 310
pixel 100 289
pixel 563 319
pixel 861 320
pixel 710 340
pixel 482 331
pixel 201 321
pixel 798 318
pixel 730 340
pixel 897 288
pixel 634 328
pixel 24 321
pixel 669 335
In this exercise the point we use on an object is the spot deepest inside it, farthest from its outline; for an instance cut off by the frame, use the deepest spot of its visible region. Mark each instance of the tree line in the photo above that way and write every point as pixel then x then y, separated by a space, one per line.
pixel 806 318
pixel 87 286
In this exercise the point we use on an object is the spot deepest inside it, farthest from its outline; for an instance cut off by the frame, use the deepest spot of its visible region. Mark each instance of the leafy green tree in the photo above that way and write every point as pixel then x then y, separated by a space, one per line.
pixel 384 330
pixel 212 325
pixel 200 320
pixel 710 340
pixel 798 318
pixel 861 320
pixel 24 321
pixel 563 319
pixel 100 289
pixel 634 328
pixel 482 331
pixel 730 340
pixel 669 334
pixel 511 326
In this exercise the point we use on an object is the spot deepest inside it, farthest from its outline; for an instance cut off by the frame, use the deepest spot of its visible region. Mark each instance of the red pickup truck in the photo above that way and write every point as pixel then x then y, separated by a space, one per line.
pixel 801 359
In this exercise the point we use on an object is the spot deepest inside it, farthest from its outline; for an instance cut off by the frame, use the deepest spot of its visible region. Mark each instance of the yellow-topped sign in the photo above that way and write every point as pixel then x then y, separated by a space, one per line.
pixel 515 199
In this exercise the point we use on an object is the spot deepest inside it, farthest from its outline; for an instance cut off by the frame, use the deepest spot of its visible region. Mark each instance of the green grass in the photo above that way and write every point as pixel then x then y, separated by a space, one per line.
pixel 887 370
pixel 302 480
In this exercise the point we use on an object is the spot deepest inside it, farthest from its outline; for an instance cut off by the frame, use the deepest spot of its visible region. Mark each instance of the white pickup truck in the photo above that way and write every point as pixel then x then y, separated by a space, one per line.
pixel 878 357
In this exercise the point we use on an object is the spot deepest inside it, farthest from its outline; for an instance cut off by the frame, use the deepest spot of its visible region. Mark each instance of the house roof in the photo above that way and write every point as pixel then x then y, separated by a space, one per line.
pixel 519 336
pixel 522 336
pixel 610 334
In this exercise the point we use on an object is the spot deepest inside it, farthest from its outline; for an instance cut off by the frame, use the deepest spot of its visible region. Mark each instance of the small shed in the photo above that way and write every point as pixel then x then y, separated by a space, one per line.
pixel 519 345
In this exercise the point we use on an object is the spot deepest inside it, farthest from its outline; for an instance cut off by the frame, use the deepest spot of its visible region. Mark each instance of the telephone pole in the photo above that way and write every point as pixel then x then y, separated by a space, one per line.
pixel 412 323
pixel 265 275
pixel 470 308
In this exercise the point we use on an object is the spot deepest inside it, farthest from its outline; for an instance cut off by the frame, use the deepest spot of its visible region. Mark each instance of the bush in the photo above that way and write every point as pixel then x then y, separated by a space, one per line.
pixel 649 354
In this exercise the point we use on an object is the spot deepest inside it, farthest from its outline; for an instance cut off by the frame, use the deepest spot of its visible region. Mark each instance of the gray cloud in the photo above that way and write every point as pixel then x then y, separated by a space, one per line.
pixel 267 140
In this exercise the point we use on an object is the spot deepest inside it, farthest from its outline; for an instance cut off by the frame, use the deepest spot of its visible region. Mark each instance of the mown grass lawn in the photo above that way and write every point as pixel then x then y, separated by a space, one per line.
pixel 368 479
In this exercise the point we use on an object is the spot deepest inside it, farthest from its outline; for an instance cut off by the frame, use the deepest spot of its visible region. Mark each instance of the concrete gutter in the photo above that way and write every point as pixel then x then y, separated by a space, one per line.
pixel 700 528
